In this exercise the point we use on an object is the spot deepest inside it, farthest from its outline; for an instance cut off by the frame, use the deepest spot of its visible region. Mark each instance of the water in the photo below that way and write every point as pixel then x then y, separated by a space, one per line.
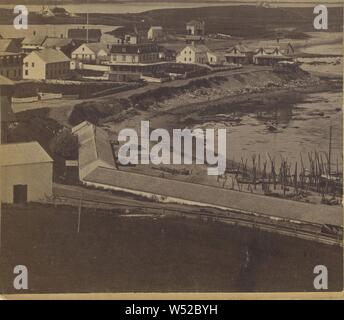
pixel 51 30
pixel 137 7
pixel 303 128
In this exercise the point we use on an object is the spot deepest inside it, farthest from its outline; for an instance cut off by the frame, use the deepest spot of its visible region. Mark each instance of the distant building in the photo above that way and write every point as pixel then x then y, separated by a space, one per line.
pixel 155 33
pixel 135 54
pixel 63 44
pixel 94 149
pixel 84 35
pixel 240 54
pixel 26 173
pixel 110 39
pixel 195 31
pixel 32 43
pixel 195 28
pixel 46 64
pixel 270 56
pixel 91 52
pixel 215 58
pixel 194 54
pixel 6 113
pixel 11 65
pixel 131 35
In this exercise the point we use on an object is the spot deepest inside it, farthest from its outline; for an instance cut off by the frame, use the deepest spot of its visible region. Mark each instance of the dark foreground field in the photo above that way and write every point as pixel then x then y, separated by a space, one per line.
pixel 122 254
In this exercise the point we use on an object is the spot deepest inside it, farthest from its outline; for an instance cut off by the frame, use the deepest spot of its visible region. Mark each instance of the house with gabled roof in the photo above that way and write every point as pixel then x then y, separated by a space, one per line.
pixel 46 64
pixel 270 56
pixel 94 52
pixel 65 45
pixel 240 54
pixel 193 54
pixel 26 173
pixel 32 43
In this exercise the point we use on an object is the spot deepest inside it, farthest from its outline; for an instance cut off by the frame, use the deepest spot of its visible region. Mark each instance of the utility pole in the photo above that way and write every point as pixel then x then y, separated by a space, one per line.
pixel 329 153
pixel 79 212
pixel 87 22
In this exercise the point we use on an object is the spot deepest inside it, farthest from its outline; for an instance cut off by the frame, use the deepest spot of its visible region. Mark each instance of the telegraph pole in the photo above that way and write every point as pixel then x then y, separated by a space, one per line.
pixel 79 212
pixel 329 153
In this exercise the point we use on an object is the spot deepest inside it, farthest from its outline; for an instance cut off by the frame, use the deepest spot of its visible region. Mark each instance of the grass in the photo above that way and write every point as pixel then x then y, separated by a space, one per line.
pixel 118 254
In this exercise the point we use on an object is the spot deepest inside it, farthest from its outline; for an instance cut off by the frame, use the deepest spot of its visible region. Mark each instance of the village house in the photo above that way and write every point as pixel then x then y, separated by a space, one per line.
pixel 62 44
pixel 216 58
pixel 11 65
pixel 194 54
pixel 26 173
pixel 11 58
pixel 84 35
pixel 240 54
pixel 46 64
pixel 195 28
pixel 91 53
pixel 155 33
pixel 110 39
pixel 128 35
pixel 135 54
pixel 270 56
pixel 195 31
pixel 32 43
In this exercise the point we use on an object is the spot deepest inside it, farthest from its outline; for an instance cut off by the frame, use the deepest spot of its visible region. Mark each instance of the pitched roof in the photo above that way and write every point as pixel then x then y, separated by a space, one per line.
pixel 35 40
pixel 156 27
pixel 193 22
pixel 94 148
pixel 5 81
pixel 57 42
pixel 97 46
pixel 50 55
pixel 23 153
pixel 9 45
pixel 198 48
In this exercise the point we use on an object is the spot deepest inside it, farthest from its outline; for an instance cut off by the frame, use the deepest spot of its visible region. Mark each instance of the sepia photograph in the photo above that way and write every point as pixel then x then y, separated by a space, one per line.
pixel 167 146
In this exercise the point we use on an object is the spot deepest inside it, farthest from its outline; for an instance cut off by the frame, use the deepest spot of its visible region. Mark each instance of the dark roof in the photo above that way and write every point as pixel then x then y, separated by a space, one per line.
pixel 81 34
pixel 135 48
pixel 34 40
pixel 194 22
pixel 10 45
pixel 50 55
pixel 132 30
pixel 57 42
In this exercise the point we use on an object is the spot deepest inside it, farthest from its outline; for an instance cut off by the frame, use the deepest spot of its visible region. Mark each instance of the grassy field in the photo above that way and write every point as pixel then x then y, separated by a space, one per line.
pixel 122 254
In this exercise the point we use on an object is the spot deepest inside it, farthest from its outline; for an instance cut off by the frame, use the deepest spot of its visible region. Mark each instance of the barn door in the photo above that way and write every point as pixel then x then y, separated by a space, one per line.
pixel 20 193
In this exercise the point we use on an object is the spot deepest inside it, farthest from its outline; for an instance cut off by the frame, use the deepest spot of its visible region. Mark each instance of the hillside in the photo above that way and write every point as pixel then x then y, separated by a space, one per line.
pixel 244 21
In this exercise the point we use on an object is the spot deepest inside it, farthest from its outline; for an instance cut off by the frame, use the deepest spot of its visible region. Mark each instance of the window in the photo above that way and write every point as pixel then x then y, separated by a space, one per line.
pixel 26 72
pixel 26 64
pixel 32 64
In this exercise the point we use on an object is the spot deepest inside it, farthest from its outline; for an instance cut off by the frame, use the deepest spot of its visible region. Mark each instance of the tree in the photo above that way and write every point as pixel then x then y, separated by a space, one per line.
pixel 65 144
